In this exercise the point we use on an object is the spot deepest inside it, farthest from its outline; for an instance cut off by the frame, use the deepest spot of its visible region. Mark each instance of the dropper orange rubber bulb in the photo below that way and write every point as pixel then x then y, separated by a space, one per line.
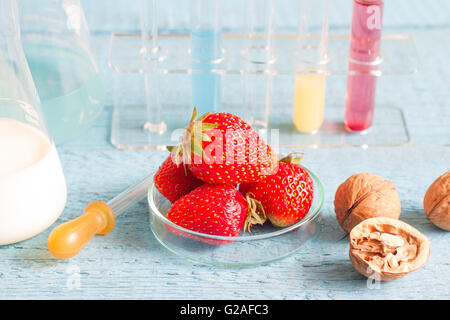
pixel 67 239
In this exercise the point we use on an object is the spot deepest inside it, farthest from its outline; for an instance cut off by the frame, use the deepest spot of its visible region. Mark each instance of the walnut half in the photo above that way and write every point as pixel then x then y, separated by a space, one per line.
pixel 437 202
pixel 387 249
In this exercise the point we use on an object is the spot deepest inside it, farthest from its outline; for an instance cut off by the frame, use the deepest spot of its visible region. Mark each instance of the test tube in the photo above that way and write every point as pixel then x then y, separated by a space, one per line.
pixel 259 56
pixel 311 55
pixel 151 54
pixel 206 55
pixel 364 59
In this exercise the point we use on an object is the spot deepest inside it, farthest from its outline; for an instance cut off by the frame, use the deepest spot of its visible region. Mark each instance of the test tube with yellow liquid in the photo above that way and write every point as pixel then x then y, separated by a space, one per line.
pixel 309 100
pixel 311 58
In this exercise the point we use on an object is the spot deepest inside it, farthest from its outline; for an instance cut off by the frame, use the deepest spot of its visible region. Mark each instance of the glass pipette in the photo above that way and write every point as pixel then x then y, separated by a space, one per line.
pixel 67 239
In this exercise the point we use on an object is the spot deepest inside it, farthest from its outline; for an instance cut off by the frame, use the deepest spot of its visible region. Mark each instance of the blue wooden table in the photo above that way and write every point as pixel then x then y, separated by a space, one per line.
pixel 129 263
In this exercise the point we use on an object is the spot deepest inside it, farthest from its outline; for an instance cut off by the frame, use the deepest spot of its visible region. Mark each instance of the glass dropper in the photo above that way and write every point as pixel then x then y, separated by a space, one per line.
pixel 67 239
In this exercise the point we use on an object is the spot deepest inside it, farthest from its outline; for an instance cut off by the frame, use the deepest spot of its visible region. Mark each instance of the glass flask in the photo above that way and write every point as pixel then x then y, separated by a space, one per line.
pixel 32 185
pixel 55 40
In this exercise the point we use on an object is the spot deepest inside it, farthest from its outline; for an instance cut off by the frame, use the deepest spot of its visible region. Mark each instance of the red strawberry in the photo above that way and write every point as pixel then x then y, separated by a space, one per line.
pixel 213 209
pixel 286 196
pixel 175 181
pixel 220 148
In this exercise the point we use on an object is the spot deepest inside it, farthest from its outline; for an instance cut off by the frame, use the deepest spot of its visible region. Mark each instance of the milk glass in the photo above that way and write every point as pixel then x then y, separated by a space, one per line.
pixel 32 185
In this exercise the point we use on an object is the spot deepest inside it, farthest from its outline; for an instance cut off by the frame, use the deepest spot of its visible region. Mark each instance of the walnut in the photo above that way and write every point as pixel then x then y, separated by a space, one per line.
pixel 386 249
pixel 437 202
pixel 364 196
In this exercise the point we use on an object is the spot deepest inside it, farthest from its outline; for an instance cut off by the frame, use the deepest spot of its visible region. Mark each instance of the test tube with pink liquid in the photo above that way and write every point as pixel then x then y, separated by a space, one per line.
pixel 364 59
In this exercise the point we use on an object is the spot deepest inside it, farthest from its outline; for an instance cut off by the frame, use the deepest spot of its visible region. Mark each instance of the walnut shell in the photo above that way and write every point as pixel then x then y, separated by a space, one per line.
pixel 364 196
pixel 386 249
pixel 437 202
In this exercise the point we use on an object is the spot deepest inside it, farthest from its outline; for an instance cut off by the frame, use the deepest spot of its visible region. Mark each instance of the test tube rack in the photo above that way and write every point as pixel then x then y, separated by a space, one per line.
pixel 169 82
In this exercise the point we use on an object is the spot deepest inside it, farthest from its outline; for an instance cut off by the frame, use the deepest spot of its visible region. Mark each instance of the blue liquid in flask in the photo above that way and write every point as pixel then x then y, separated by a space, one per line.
pixel 70 87
pixel 205 52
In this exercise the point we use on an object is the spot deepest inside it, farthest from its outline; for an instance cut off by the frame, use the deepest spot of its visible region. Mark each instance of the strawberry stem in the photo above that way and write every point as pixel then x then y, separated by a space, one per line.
pixel 193 137
pixel 256 213
pixel 294 157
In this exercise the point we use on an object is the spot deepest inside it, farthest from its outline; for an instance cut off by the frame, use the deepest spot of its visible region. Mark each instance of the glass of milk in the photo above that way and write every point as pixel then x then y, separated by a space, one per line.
pixel 32 186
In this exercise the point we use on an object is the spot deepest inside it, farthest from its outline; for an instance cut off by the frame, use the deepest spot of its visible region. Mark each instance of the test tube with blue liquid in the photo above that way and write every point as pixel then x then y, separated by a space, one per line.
pixel 206 55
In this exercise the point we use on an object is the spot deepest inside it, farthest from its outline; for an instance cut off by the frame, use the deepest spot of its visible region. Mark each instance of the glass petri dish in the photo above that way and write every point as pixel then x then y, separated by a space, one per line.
pixel 266 243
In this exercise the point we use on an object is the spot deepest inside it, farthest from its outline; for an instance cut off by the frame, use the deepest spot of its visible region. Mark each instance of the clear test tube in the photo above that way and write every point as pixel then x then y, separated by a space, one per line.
pixel 206 55
pixel 311 59
pixel 152 54
pixel 259 56
pixel 364 59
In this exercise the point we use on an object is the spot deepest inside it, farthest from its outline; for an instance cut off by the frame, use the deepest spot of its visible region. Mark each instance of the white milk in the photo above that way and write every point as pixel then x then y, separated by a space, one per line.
pixel 32 187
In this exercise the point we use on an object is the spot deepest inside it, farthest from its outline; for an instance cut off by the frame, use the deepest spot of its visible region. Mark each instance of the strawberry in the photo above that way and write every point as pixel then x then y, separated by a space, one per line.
pixel 175 181
pixel 214 209
pixel 220 148
pixel 285 196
